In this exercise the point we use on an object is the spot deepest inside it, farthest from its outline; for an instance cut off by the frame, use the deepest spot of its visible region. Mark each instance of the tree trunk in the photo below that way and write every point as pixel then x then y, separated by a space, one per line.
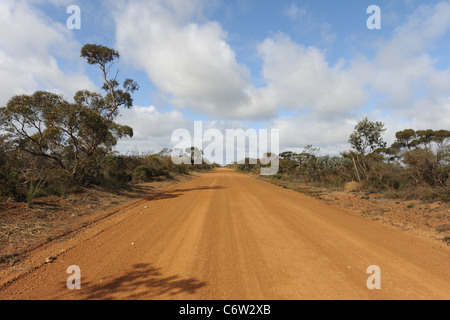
pixel 356 169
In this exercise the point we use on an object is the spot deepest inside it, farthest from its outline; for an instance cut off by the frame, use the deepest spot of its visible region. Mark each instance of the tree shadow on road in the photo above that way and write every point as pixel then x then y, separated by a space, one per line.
pixel 179 192
pixel 143 282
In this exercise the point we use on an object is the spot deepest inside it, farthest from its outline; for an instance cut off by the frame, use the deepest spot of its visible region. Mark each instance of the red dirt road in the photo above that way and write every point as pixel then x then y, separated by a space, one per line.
pixel 225 235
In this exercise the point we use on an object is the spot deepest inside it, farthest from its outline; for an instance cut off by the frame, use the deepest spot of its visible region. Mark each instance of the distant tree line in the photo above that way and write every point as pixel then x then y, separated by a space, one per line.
pixel 416 165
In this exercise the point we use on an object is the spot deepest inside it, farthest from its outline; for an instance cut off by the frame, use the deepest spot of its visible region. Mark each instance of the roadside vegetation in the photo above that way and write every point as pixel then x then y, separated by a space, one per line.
pixel 52 146
pixel 415 166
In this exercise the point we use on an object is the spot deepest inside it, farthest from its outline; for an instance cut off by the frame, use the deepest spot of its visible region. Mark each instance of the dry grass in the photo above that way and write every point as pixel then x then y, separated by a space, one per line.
pixel 443 228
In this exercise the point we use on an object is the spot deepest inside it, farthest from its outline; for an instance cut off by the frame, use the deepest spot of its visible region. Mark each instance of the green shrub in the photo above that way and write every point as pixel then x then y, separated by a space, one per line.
pixel 34 191
pixel 143 173
pixel 8 184
pixel 277 176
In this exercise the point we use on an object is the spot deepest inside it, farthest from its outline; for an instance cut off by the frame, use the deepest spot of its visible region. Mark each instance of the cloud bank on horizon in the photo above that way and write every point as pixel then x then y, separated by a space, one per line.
pixel 308 68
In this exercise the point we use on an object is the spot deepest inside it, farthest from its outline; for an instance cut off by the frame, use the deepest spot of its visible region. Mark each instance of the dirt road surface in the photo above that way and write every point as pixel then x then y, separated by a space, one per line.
pixel 225 235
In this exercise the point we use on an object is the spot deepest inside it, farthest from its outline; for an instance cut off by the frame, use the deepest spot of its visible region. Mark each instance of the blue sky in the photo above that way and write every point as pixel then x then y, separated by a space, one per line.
pixel 311 69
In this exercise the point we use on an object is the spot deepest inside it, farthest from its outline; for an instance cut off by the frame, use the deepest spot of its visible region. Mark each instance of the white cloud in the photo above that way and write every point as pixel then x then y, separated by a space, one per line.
pixel 195 67
pixel 306 21
pixel 294 12
pixel 152 129
pixel 428 113
pixel 301 78
pixel 30 44
pixel 403 68
pixel 191 63
pixel 149 122
pixel 329 135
